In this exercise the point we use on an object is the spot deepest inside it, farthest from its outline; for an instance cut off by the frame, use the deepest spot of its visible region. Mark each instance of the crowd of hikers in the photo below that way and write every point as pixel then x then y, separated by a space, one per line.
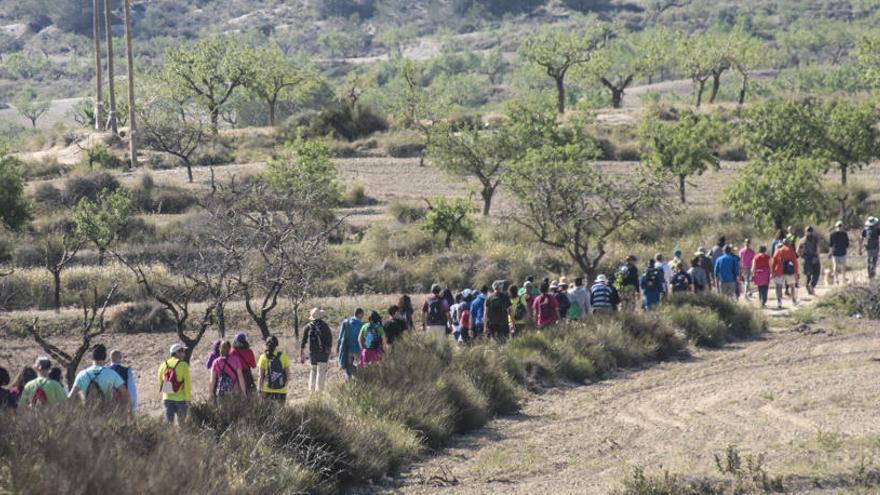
pixel 497 312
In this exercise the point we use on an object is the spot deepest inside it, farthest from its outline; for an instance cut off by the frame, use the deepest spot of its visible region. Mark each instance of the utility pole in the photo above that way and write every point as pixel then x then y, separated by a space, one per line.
pixel 108 22
pixel 99 99
pixel 129 55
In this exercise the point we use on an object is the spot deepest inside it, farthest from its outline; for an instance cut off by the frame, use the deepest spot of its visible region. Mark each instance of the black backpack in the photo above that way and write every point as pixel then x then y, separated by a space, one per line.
pixel 651 281
pixel 122 371
pixel 788 267
pixel 276 372
pixel 680 282
pixel 435 312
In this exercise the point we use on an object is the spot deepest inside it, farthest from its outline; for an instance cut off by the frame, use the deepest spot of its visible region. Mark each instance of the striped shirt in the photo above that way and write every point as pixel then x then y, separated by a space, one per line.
pixel 600 296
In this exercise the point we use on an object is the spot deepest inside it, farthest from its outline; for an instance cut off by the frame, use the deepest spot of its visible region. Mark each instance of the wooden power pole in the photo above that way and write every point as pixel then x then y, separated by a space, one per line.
pixel 99 99
pixel 132 125
pixel 108 22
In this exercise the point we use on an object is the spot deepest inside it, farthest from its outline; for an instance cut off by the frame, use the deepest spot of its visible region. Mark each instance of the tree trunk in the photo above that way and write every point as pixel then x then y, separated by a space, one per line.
pixel 132 124
pixel 102 251
pixel 843 174
pixel 56 278
pixel 221 320
pixel 111 92
pixel 681 187
pixel 742 90
pixel 215 120
pixel 99 97
pixel 617 97
pixel 263 326
pixel 189 170
pixel 560 95
pixel 272 113
pixel 33 122
pixel 296 320
pixel 716 85
pixel 701 86
pixel 487 194
pixel 70 374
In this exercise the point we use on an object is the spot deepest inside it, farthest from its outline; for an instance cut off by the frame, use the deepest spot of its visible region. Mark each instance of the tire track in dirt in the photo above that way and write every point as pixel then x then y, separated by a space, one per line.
pixel 773 395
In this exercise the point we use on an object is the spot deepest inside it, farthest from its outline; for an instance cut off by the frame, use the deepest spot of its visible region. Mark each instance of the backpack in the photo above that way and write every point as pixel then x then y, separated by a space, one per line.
pixel 651 281
pixel 225 383
pixel 465 319
pixel 788 267
pixel 122 371
pixel 520 312
pixel 93 390
pixel 435 312
pixel 170 383
pixel 371 337
pixel 39 399
pixel 277 375
pixel 544 306
pixel 680 282
pixel 872 237
pixel 574 311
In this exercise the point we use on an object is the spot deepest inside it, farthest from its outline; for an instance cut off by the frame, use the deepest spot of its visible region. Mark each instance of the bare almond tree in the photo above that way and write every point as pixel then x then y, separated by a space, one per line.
pixel 91 326
pixel 58 252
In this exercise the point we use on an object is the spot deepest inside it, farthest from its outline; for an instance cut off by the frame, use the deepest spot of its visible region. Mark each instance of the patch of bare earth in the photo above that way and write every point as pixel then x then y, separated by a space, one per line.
pixel 805 398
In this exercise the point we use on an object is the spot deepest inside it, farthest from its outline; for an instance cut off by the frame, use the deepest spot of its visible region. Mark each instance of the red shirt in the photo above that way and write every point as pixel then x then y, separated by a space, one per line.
pixel 780 257
pixel 245 356
pixel 550 312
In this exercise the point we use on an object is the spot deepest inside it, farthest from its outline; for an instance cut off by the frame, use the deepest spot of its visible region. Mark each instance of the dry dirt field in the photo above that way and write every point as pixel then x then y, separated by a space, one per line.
pixel 806 399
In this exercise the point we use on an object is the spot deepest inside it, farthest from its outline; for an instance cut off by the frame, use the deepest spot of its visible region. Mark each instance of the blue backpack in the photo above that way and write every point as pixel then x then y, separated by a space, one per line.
pixel 371 337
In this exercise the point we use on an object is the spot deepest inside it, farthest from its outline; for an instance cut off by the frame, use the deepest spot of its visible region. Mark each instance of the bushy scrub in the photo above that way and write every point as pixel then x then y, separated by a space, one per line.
pixel 861 300
pixel 701 325
pixel 742 323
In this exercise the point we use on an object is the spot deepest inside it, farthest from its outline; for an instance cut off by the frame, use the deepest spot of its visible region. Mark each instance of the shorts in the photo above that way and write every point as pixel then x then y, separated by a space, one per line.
pixel 838 261
pixel 438 331
pixel 784 280
pixel 729 289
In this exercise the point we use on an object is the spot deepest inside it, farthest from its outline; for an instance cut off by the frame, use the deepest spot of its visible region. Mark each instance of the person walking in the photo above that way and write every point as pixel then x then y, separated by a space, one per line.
pixel 677 259
pixel 717 251
pixel 175 384
pixel 347 348
pixel 215 353
pixel 242 355
pixel 274 366
pixel 808 250
pixel 127 376
pixel 628 282
pixel 837 250
pixel 42 391
pixel 761 274
pixel 372 340
pixel 651 285
pixel 435 314
pixel 777 242
pixel 871 245
pixel 7 402
pixel 55 374
pixel 746 258
pixel 545 307
pixel 498 313
pixel 701 260
pixel 560 292
pixel 519 308
pixel 395 327
pixel 317 336
pixel 454 317
pixel 98 382
pixel 785 271
pixel 25 376
pixel 464 321
pixel 478 306
pixel 681 281
pixel 227 379
pixel 664 267
pixel 726 273
pixel 580 301
pixel 603 296
pixel 407 312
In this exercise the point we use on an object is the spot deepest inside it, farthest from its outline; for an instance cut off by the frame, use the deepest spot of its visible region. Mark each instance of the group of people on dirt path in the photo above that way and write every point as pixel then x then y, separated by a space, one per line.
pixel 736 272
pixel 41 385
pixel 497 312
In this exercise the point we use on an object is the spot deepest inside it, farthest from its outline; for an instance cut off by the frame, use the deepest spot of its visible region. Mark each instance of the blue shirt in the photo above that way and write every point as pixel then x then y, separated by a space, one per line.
pixel 653 296
pixel 105 378
pixel 726 269
pixel 348 337
pixel 477 307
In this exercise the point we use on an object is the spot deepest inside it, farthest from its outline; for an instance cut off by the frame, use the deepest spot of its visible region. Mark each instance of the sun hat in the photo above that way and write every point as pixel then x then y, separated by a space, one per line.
pixel 602 279
pixel 177 348
pixel 700 251
pixel 872 221
pixel 563 281
pixel 839 224
pixel 316 314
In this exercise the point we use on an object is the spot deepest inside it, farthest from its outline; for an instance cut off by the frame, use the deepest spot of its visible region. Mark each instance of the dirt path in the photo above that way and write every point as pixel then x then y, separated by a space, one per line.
pixel 806 399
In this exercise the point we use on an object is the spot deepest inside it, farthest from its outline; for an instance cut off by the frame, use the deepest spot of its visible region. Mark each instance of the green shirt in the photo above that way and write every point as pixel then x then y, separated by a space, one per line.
pixel 53 390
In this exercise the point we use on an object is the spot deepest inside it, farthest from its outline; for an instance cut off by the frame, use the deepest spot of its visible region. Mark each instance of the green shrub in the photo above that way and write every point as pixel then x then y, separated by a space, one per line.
pixel 356 195
pixel 741 322
pixel 863 300
pixel 88 185
pixel 701 325
pixel 406 212
pixel 339 121
pixel 141 317
pixel 486 367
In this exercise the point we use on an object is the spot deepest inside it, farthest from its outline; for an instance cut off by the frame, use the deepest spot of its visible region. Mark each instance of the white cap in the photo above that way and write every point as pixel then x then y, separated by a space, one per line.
pixel 839 224
pixel 177 348
pixel 602 279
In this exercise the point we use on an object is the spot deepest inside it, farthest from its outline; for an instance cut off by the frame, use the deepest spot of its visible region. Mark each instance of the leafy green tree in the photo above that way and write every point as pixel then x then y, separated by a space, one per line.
pixel 493 65
pixel 397 38
pixel 277 78
pixel 451 218
pixel 746 54
pixel 683 148
pixel 868 55
pixel 102 221
pixel 14 208
pixel 30 105
pixel 777 191
pixel 167 127
pixel 558 51
pixel 24 67
pixel 209 71
pixel 851 135
pixel 569 204
pixel 304 172
pixel 622 59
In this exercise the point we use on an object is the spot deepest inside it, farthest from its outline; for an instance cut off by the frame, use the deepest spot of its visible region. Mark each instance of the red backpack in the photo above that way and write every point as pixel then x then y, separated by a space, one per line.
pixel 170 383
pixel 39 399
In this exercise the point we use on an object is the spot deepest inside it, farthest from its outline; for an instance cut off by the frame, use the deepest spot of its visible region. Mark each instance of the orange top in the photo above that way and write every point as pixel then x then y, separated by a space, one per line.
pixel 782 255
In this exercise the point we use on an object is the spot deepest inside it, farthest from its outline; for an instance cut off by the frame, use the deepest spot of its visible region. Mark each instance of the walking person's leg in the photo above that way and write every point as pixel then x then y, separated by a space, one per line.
pixel 872 263
pixel 322 376
pixel 313 378
pixel 762 294
pixel 779 284
pixel 169 411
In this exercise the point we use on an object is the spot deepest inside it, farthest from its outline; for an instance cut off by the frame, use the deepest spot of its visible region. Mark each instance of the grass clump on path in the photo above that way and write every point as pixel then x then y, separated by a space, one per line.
pixel 862 300
pixel 742 322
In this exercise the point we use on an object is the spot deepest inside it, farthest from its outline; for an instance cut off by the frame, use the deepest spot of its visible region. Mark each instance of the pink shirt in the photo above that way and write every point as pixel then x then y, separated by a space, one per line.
pixel 224 366
pixel 746 255
pixel 550 312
